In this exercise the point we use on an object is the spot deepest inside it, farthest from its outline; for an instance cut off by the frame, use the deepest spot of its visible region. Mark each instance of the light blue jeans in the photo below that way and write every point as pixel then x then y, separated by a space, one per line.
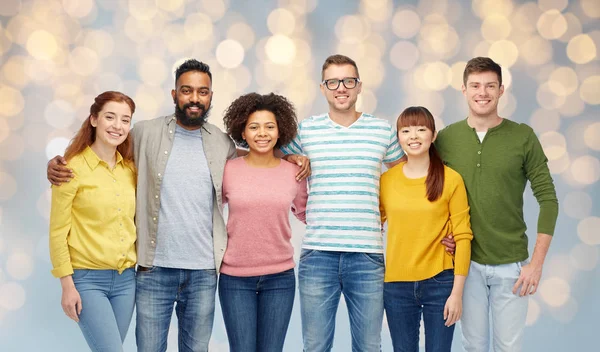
pixel 192 292
pixel 322 277
pixel 488 293
pixel 107 300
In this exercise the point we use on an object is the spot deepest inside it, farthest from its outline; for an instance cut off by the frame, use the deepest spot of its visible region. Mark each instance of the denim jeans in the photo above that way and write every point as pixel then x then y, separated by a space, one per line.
pixel 193 294
pixel 107 300
pixel 257 310
pixel 322 277
pixel 404 304
pixel 488 290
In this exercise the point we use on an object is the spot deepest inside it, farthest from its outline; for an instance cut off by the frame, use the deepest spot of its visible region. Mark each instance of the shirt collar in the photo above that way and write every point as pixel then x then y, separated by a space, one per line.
pixel 172 119
pixel 93 160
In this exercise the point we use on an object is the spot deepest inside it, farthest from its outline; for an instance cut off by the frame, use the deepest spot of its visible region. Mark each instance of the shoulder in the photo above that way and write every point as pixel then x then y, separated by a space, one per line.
pixel 312 121
pixel 452 177
pixel 376 122
pixel 234 163
pixel 393 172
pixel 289 168
pixel 216 132
pixel 139 127
pixel 77 163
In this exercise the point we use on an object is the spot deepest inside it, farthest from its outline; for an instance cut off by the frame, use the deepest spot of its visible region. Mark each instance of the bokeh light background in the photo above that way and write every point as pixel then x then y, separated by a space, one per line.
pixel 56 55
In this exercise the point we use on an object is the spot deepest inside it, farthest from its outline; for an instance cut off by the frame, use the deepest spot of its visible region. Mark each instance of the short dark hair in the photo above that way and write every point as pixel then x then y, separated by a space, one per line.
pixel 238 112
pixel 338 59
pixel 482 64
pixel 192 65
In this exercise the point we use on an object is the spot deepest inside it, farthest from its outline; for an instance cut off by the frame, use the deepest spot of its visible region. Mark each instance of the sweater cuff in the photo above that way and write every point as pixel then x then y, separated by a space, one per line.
pixel 547 218
pixel 462 260
pixel 63 270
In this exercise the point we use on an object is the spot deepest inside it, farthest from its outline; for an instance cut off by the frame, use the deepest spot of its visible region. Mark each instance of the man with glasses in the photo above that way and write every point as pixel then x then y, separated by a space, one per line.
pixel 342 251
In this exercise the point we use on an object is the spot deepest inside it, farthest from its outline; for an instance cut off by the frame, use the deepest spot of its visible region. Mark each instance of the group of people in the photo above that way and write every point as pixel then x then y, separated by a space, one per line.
pixel 154 196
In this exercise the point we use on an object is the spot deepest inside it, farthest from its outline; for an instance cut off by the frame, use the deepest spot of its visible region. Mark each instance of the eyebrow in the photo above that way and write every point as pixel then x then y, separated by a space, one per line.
pixel 190 87
pixel 112 113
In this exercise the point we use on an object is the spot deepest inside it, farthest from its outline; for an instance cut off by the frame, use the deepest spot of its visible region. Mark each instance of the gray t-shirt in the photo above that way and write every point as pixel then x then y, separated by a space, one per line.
pixel 184 236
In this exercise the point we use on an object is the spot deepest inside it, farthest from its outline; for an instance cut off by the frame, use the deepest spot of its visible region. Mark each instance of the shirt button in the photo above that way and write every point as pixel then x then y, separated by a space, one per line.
pixel 154 219
pixel 152 242
pixel 478 165
pixel 117 194
pixel 159 174
pixel 121 240
pixel 114 180
pixel 120 208
pixel 123 255
pixel 170 131
pixel 479 152
pixel 156 196
pixel 166 152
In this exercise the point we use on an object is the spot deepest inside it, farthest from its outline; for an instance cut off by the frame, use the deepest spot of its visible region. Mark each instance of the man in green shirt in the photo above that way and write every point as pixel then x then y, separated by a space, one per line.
pixel 496 157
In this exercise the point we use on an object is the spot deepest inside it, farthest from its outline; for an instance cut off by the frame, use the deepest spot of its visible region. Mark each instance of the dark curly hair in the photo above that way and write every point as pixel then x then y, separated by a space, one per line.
pixel 192 65
pixel 238 112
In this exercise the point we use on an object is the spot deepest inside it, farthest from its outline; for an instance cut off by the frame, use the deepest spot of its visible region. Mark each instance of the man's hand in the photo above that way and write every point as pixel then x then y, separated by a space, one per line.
pixel 449 243
pixel 57 173
pixel 528 280
pixel 301 161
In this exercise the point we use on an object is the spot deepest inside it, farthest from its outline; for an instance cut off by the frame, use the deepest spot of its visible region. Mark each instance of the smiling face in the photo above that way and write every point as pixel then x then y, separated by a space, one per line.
pixel 261 132
pixel 112 124
pixel 341 99
pixel 416 140
pixel 483 91
pixel 192 98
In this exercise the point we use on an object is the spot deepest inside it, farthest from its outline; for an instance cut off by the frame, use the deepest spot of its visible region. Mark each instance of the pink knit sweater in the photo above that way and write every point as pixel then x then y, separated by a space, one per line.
pixel 258 228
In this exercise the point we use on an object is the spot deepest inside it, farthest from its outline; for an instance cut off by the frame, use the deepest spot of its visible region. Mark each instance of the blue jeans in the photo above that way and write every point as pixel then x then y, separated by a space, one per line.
pixel 107 300
pixel 405 302
pixel 323 276
pixel 257 310
pixel 488 290
pixel 193 294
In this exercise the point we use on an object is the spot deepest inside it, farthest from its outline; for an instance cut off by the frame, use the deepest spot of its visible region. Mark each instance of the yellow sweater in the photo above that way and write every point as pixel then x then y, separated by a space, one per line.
pixel 416 226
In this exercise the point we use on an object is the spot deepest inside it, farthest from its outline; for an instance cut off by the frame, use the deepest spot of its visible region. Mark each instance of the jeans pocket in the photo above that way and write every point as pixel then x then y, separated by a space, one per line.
pixel 305 253
pixel 145 269
pixel 445 277
pixel 375 258
pixel 79 274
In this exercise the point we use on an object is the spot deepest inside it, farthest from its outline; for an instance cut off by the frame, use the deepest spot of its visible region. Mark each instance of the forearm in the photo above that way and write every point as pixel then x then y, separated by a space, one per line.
pixel 459 285
pixel 66 282
pixel 542 244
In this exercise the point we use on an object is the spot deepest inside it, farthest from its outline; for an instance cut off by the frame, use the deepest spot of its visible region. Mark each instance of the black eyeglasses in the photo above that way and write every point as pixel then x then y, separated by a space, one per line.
pixel 334 83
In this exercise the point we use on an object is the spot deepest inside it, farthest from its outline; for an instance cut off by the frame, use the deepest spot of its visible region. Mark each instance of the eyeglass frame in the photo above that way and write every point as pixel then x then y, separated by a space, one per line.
pixel 355 79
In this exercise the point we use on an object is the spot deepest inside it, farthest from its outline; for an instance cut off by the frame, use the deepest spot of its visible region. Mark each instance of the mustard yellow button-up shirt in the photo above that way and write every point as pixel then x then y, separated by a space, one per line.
pixel 92 217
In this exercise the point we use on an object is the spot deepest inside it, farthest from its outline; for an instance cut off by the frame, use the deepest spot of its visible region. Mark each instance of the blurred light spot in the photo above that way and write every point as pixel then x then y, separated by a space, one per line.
pixel 552 24
pixel 406 24
pixel 78 8
pixel 573 27
pixel 57 146
pixel 148 100
pixel 547 98
pixel 587 230
pixel 560 165
pixel 4 129
pixel 152 71
pixel 438 38
pixel 367 101
pixel 404 55
pixel 437 75
pixel 555 291
pixel 584 257
pixel 591 8
pixel 143 9
pixel 352 29
pixel 434 101
pixel 10 8
pixel 174 41
pixel 19 265
pixel 457 70
pixel 170 5
pixel 59 114
pixel 504 52
pixel 589 90
pixel 242 33
pixel 198 27
pixel 303 53
pixel 554 144
pixel 99 41
pixel 280 49
pixel 11 101
pixel 377 10
pixel 563 81
pixel 300 7
pixel 536 51
pixel 581 49
pixel 507 105
pixel 586 170
pixel 281 21
pixel 544 120
pixel 42 45
pixel 525 17
pixel 559 5
pixel 533 312
pixel 573 106
pixel 577 205
pixel 13 71
pixel 83 61
pixel 108 81
pixel 230 53
pixel 137 30
pixel 495 27
pixel 567 312
pixel 485 8
pixel 43 205
pixel 216 9
pixel 12 296
pixel 9 186
pixel 591 136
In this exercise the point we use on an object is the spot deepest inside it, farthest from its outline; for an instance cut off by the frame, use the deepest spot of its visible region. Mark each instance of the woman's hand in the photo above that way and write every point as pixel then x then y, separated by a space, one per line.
pixel 453 309
pixel 70 301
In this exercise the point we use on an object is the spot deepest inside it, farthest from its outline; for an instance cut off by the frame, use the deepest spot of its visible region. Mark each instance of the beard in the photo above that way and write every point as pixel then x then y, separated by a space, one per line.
pixel 192 120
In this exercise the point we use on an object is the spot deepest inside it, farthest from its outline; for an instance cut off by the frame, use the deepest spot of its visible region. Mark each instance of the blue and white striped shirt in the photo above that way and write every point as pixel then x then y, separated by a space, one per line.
pixel 343 200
